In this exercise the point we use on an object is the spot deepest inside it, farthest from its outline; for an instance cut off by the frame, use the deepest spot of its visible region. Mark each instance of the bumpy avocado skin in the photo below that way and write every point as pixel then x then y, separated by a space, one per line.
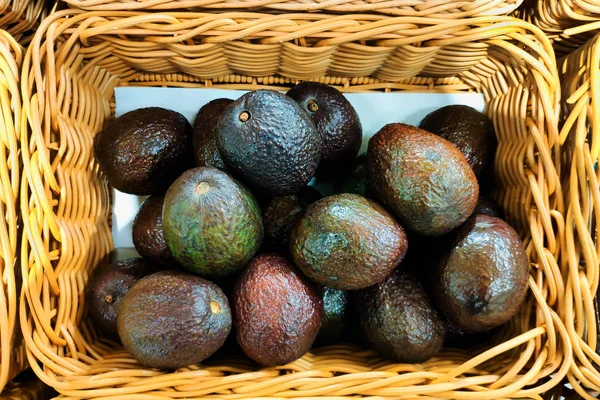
pixel 147 232
pixel 347 242
pixel 206 153
pixel 336 315
pixel 277 311
pixel 173 319
pixel 143 151
pixel 337 122
pixel 282 213
pixel 422 178
pixel 212 223
pixel 482 280
pixel 398 320
pixel 269 142
pixel 469 130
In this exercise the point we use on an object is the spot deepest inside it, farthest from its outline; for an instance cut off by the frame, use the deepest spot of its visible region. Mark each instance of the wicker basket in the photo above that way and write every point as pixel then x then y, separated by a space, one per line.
pixel 20 17
pixel 447 9
pixel 12 351
pixel 77 58
pixel 580 134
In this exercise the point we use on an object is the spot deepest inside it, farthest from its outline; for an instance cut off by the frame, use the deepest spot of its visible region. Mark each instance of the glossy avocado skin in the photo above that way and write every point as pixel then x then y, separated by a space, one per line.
pixel 337 123
pixel 398 320
pixel 109 284
pixel 277 311
pixel 469 130
pixel 173 319
pixel 147 232
pixel 347 242
pixel 269 142
pixel 483 278
pixel 281 214
pixel 423 179
pixel 204 138
pixel 336 315
pixel 356 181
pixel 489 207
pixel 143 151
pixel 212 223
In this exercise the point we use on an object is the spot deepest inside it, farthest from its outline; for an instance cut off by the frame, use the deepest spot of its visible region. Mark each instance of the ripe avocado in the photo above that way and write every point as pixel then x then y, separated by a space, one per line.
pixel 147 233
pixel 469 130
pixel 267 140
pixel 212 223
pixel 336 314
pixel 356 181
pixel 143 151
pixel 423 179
pixel 483 278
pixel 277 311
pixel 173 319
pixel 347 242
pixel 281 214
pixel 109 284
pixel 489 207
pixel 204 132
pixel 337 122
pixel 398 320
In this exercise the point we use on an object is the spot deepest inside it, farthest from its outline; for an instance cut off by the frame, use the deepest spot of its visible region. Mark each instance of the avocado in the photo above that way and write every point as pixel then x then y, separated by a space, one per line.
pixel 143 151
pixel 269 142
pixel 482 279
pixel 356 180
pixel 456 338
pixel 487 206
pixel 277 312
pixel 204 134
pixel 280 215
pixel 212 223
pixel 147 233
pixel 109 284
pixel 336 315
pixel 173 319
pixel 347 242
pixel 337 123
pixel 422 178
pixel 469 130
pixel 398 319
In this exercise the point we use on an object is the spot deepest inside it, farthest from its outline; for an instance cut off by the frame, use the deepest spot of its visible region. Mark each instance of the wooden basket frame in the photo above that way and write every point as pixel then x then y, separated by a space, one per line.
pixel 12 350
pixel 20 17
pixel 70 70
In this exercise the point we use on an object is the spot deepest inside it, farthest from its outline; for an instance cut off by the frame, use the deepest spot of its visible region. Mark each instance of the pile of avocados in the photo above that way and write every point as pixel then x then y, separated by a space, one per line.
pixel 407 254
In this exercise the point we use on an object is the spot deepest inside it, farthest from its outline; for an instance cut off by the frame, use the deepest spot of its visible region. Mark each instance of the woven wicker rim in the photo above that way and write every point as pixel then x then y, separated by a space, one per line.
pixel 70 70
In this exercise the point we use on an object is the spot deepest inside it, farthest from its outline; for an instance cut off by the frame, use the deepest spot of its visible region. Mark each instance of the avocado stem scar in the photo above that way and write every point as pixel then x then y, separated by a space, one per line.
pixel 244 116
pixel 215 307
pixel 312 105
pixel 202 188
pixel 108 298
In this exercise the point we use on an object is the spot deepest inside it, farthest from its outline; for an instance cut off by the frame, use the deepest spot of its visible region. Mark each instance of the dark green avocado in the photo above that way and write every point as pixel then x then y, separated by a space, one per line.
pixel 269 142
pixel 143 151
pixel 147 232
pixel 337 122
pixel 347 242
pixel 356 180
pixel 212 223
pixel 336 315
pixel 206 153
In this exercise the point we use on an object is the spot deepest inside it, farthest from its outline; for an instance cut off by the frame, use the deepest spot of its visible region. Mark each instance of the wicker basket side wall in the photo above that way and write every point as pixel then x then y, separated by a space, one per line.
pixel 70 70
pixel 12 355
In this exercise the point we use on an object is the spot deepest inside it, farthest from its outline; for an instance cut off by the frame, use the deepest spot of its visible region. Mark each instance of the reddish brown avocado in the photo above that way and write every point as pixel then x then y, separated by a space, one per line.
pixel 109 284
pixel 212 223
pixel 206 153
pixel 173 319
pixel 482 280
pixel 143 151
pixel 337 122
pixel 147 233
pixel 277 312
pixel 423 179
pixel 347 242
pixel 398 320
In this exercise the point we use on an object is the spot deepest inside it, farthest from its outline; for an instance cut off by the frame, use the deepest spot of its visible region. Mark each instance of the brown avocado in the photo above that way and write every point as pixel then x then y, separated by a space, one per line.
pixel 206 153
pixel 147 233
